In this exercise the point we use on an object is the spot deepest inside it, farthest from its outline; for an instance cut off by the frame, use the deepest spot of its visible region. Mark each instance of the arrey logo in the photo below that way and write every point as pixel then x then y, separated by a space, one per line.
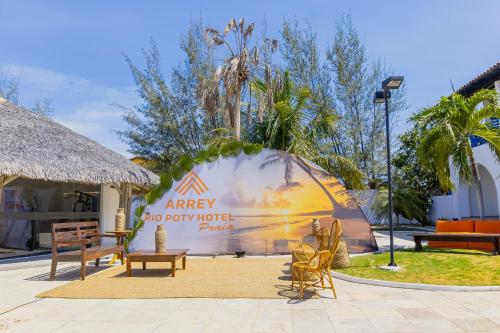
pixel 191 182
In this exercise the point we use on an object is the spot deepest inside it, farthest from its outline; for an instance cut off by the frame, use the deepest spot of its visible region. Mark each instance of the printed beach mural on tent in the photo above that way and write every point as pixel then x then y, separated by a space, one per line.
pixel 262 203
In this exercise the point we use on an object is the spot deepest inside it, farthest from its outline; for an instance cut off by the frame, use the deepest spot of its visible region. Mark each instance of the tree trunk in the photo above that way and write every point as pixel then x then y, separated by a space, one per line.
pixel 237 113
pixel 361 140
pixel 335 205
pixel 477 186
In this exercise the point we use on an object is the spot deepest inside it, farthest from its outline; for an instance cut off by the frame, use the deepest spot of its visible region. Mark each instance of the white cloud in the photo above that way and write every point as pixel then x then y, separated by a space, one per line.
pixel 80 104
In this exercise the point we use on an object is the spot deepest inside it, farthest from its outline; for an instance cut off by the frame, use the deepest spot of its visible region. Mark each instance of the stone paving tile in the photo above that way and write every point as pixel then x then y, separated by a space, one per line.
pixel 228 328
pixel 235 316
pixel 27 313
pixel 199 303
pixel 314 326
pixel 365 296
pixel 394 325
pixel 273 326
pixel 36 326
pixel 189 316
pixel 435 325
pixel 241 304
pixel 477 325
pixel 6 323
pixel 406 302
pixel 275 314
pixel 307 315
pixel 456 313
pixel 104 315
pixel 410 313
pixel 311 304
pixel 379 311
pixel 487 311
pixel 79 327
pixel 53 314
pixel 353 326
pixel 162 304
pixel 495 319
pixel 178 328
pixel 149 316
pixel 277 304
pixel 344 310
pixel 74 303
pixel 436 300
pixel 131 327
pixel 123 304
pixel 468 298
pixel 493 297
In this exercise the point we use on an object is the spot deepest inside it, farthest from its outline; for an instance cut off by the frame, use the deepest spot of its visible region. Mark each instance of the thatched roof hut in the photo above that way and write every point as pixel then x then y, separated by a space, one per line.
pixel 35 147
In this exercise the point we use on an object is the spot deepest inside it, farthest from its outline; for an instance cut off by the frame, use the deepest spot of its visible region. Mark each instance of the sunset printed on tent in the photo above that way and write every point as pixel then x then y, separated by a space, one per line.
pixel 259 204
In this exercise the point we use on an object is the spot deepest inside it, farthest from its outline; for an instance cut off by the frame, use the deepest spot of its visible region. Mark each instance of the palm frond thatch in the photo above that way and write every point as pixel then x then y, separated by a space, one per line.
pixel 36 147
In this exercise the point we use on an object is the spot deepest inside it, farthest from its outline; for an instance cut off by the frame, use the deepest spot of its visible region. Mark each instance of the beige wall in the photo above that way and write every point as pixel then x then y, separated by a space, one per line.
pixel 110 200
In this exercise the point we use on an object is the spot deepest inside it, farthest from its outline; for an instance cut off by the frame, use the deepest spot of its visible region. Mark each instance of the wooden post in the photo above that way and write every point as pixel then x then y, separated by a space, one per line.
pixel 125 200
pixel 1 190
pixel 4 180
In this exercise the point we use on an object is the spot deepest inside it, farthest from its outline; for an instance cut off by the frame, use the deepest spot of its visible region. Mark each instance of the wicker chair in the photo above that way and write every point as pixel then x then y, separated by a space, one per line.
pixel 318 264
pixel 307 260
pixel 304 252
pixel 323 239
pixel 333 246
pixel 335 235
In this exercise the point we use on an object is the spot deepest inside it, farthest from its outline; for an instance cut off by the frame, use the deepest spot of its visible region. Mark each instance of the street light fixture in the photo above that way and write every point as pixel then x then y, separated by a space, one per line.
pixel 392 82
pixel 380 97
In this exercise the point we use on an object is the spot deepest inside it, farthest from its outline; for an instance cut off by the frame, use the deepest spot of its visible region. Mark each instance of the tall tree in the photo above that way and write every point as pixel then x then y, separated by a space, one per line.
pixel 169 122
pixel 234 72
pixel 350 65
pixel 406 203
pixel 293 126
pixel 446 129
pixel 356 78
pixel 301 56
pixel 411 174
pixel 44 107
pixel 9 89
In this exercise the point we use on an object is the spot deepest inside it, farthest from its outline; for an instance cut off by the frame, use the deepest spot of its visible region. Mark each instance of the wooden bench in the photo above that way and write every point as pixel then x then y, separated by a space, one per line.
pixel 85 235
pixel 458 237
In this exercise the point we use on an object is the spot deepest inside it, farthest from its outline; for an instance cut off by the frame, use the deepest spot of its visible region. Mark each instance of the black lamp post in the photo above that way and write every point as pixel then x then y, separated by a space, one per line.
pixel 392 82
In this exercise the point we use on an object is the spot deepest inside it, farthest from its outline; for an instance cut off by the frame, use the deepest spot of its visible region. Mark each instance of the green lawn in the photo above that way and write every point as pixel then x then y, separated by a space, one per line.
pixel 432 266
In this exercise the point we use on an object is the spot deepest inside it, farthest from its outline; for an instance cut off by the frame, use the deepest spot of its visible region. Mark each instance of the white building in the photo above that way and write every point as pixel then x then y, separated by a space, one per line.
pixel 462 203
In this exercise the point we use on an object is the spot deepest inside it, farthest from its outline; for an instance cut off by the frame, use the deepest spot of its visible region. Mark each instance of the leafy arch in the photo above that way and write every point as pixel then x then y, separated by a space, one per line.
pixel 185 164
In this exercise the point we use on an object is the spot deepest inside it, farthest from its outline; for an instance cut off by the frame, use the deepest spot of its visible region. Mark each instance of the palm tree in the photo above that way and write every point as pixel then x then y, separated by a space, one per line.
pixel 233 73
pixel 446 130
pixel 291 123
pixel 405 203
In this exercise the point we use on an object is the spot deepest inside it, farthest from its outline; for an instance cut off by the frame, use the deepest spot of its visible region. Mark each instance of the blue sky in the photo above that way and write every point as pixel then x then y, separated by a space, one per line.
pixel 70 51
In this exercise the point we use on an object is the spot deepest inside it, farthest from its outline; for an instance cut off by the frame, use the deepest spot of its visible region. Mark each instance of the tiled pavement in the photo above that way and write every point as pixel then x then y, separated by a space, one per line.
pixel 359 308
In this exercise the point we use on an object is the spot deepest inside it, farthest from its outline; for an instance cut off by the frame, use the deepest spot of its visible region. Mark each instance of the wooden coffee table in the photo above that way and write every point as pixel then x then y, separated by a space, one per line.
pixel 145 256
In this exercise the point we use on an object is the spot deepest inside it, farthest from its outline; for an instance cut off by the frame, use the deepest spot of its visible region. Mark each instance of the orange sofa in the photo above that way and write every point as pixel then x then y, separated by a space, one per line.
pixel 472 226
